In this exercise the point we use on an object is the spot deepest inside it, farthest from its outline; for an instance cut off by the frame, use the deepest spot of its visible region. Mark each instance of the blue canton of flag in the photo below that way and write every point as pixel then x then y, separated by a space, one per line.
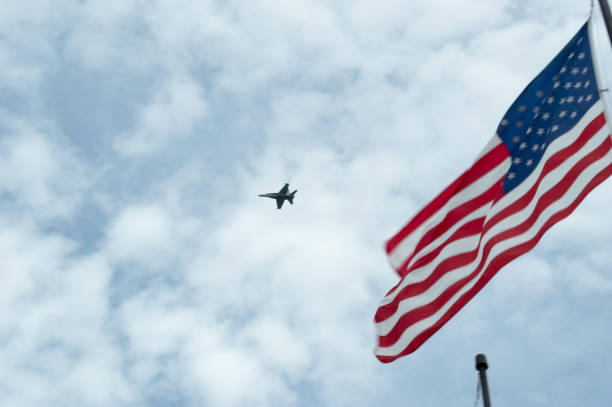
pixel 550 105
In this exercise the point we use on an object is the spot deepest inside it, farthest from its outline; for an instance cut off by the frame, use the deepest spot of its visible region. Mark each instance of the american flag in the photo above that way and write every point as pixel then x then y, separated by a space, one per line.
pixel 550 150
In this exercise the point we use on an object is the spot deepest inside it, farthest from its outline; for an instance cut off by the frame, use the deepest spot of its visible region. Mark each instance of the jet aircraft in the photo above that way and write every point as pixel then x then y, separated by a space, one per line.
pixel 281 196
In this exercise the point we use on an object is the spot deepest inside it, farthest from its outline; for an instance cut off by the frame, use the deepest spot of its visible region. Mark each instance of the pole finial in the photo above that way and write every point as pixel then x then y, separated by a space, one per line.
pixel 607 16
pixel 481 362
pixel 481 366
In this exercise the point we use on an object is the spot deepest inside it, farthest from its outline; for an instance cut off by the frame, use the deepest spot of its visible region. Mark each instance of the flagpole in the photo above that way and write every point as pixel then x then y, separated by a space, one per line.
pixel 481 366
pixel 605 10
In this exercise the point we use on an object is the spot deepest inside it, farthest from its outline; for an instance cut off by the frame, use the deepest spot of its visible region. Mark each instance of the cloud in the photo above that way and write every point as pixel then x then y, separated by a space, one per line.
pixel 57 348
pixel 39 174
pixel 140 234
pixel 177 108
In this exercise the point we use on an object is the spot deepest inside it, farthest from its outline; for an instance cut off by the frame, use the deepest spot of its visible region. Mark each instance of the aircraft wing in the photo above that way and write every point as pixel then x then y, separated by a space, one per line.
pixel 279 202
pixel 284 189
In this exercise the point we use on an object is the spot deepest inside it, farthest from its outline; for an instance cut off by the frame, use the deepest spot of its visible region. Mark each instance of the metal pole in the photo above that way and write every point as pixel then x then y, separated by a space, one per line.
pixel 605 10
pixel 481 366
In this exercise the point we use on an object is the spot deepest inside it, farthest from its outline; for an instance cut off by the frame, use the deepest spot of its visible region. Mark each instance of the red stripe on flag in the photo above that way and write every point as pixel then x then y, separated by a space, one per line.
pixel 469 229
pixel 463 210
pixel 500 261
pixel 415 315
pixel 485 164
pixel 552 163
pixel 452 217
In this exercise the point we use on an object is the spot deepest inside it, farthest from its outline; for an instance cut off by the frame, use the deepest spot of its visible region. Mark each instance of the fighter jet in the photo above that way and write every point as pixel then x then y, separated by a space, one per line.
pixel 281 195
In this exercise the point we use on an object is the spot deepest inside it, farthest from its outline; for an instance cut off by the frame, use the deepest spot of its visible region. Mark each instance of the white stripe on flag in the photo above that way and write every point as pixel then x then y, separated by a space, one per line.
pixel 470 243
pixel 409 243
pixel 405 249
pixel 411 332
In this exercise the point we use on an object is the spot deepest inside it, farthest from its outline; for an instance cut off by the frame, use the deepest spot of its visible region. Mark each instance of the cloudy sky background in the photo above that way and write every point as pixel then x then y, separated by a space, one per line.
pixel 141 269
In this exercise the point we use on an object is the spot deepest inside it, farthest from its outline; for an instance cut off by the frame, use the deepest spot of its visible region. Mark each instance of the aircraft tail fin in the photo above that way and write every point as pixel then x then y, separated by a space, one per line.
pixel 291 196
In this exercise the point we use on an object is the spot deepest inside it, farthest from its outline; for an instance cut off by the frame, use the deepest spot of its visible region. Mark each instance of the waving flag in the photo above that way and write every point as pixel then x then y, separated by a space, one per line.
pixel 550 150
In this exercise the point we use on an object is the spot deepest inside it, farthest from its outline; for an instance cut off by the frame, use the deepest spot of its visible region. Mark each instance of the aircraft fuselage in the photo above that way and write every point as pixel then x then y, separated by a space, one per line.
pixel 281 196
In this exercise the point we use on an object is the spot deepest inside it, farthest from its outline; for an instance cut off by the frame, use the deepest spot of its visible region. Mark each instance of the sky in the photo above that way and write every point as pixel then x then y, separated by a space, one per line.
pixel 140 268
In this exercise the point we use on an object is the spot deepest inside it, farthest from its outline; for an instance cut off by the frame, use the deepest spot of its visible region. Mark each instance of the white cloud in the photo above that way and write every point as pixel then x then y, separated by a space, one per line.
pixel 103 36
pixel 156 326
pixel 142 234
pixel 278 344
pixel 40 174
pixel 177 108
pixel 56 344
pixel 229 376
